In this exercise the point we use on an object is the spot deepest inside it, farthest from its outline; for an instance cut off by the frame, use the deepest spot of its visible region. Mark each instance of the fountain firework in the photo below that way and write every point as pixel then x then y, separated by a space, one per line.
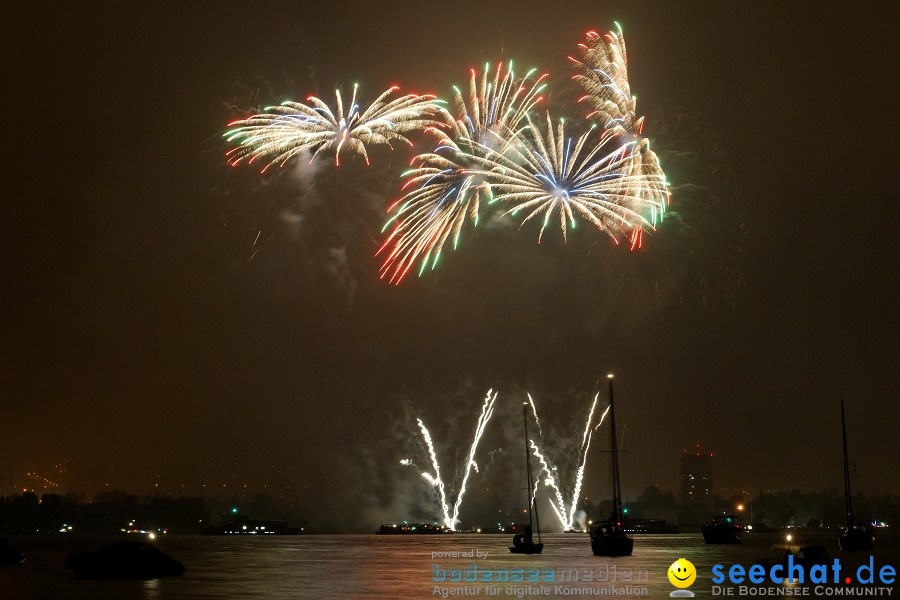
pixel 451 517
pixel 566 513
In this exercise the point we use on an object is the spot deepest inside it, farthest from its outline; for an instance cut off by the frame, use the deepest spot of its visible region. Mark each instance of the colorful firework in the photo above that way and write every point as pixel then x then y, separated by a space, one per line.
pixel 604 183
pixel 603 73
pixel 604 76
pixel 447 190
pixel 488 151
pixel 288 130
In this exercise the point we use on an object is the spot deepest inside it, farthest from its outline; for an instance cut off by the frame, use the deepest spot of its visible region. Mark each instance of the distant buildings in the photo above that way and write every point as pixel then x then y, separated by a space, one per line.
pixel 696 476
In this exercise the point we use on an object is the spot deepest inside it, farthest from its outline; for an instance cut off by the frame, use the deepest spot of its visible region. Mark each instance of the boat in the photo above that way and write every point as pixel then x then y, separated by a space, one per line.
pixel 242 525
pixel 10 556
pixel 723 529
pixel 609 538
pixel 650 526
pixel 125 560
pixel 413 529
pixel 523 543
pixel 857 536
pixel 806 555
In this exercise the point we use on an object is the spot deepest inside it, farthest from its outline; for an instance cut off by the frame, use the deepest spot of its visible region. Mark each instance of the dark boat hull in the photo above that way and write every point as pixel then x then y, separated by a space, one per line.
pixel 856 541
pixel 808 556
pixel 124 560
pixel 11 557
pixel 530 549
pixel 721 535
pixel 612 545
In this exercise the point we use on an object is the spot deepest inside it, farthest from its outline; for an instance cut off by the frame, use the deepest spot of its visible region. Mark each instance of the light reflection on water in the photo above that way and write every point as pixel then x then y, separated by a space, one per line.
pixel 370 566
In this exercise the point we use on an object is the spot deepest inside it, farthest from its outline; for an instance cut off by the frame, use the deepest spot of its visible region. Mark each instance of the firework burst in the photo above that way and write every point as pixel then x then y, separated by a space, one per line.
pixel 446 187
pixel 603 74
pixel 286 131
pixel 605 183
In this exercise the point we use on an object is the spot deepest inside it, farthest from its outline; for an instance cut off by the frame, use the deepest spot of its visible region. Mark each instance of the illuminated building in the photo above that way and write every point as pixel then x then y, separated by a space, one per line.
pixel 696 475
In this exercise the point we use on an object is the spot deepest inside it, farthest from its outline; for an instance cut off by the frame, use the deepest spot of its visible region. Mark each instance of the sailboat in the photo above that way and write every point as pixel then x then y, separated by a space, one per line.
pixel 523 543
pixel 609 539
pixel 858 535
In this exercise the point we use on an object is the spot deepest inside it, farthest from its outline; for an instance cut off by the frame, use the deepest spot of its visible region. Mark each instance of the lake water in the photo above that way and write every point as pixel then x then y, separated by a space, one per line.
pixel 339 567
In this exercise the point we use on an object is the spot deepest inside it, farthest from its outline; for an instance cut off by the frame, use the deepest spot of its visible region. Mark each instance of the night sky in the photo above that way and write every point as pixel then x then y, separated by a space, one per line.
pixel 147 338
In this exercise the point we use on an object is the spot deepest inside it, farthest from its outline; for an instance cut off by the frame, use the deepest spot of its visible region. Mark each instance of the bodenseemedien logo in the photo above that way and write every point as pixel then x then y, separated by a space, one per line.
pixel 682 574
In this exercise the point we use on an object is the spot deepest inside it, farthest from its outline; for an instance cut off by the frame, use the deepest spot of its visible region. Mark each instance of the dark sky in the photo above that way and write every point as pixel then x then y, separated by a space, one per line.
pixel 138 333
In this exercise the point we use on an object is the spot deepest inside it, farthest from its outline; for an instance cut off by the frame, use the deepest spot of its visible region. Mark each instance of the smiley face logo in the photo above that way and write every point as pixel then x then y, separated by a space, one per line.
pixel 682 573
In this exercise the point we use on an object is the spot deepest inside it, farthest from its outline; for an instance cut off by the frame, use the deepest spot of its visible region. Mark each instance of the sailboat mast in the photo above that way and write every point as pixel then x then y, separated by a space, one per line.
pixel 531 504
pixel 848 502
pixel 617 492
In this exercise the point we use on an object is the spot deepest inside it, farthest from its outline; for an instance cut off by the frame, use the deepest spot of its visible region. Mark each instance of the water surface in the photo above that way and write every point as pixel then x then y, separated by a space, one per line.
pixel 343 567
